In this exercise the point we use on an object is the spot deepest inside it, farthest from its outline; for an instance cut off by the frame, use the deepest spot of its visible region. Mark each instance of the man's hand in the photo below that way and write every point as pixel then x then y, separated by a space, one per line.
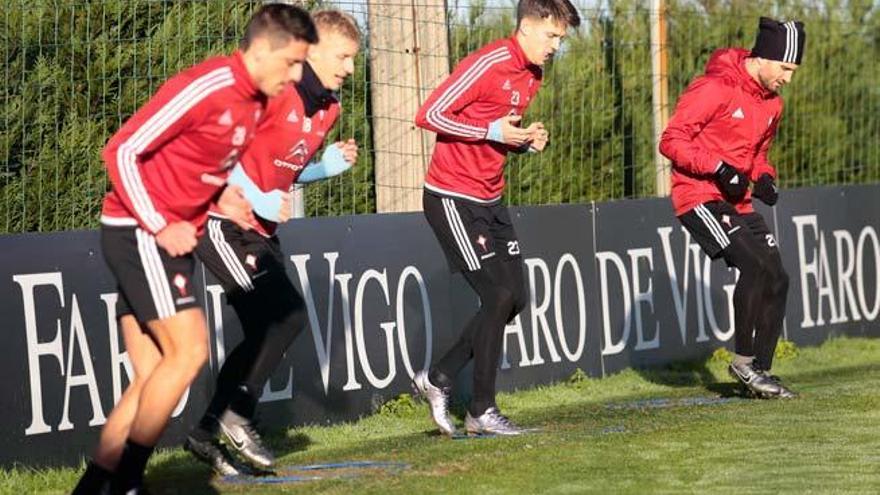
pixel 236 207
pixel 286 211
pixel 349 150
pixel 177 238
pixel 765 189
pixel 511 133
pixel 539 136
pixel 731 182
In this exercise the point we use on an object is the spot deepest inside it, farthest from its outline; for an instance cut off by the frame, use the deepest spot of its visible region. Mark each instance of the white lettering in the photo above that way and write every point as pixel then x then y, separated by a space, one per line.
pixel 603 258
pixel 35 348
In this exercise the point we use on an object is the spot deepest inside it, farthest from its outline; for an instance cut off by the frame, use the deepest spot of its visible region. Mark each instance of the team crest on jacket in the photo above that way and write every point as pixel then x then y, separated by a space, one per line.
pixel 180 282
pixel 251 261
pixel 299 152
pixel 482 242
pixel 295 158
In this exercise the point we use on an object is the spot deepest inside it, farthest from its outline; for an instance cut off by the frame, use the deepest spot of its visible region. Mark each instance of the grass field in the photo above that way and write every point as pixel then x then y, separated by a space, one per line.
pixel 636 432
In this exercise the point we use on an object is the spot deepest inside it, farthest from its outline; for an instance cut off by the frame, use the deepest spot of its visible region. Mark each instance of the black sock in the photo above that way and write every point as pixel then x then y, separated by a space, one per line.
pixel 206 430
pixel 92 480
pixel 244 402
pixel 439 379
pixel 478 408
pixel 130 472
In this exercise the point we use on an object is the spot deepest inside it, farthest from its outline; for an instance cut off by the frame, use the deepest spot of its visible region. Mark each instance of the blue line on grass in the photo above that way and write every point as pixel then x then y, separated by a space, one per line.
pixel 683 402
pixel 267 480
pixel 393 467
pixel 348 464
pixel 613 429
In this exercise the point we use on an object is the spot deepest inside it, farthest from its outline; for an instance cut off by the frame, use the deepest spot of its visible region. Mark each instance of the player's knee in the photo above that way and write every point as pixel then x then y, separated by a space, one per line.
pixel 519 302
pixel 753 265
pixel 502 299
pixel 137 383
pixel 189 356
pixel 282 334
pixel 192 357
pixel 780 280
pixel 199 354
pixel 297 319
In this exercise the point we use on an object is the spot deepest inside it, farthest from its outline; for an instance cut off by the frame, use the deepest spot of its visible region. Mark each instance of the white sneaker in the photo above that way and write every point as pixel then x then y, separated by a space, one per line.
pixel 438 400
pixel 491 422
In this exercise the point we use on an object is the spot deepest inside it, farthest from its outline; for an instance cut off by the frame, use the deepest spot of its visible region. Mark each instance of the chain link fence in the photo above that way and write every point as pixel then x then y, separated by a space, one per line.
pixel 74 70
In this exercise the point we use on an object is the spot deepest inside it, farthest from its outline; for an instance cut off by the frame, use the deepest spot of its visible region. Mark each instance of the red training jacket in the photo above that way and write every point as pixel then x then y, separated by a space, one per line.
pixel 285 142
pixel 169 160
pixel 492 82
pixel 724 115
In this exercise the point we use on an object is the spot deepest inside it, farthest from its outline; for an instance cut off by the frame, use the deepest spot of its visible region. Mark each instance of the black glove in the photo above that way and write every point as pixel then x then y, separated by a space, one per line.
pixel 765 189
pixel 732 183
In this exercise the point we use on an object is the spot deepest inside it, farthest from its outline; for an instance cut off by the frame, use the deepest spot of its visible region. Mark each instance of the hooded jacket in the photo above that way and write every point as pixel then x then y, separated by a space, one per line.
pixel 724 115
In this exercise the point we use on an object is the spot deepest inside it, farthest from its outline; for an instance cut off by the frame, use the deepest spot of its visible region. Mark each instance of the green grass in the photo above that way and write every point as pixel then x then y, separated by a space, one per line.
pixel 596 438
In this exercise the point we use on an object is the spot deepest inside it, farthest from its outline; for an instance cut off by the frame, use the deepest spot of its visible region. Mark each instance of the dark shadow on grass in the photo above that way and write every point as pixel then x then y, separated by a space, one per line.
pixel 727 389
pixel 689 374
pixel 283 445
pixel 180 476
pixel 680 374
pixel 185 476
pixel 830 373
pixel 188 476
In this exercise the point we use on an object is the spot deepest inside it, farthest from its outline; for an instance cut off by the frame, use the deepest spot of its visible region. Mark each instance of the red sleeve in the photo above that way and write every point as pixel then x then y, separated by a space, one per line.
pixel 440 113
pixel 762 164
pixel 696 107
pixel 173 109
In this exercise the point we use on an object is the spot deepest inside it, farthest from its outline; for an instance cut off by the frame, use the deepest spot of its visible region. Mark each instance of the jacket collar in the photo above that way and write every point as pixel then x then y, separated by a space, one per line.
pixel 314 95
pixel 242 76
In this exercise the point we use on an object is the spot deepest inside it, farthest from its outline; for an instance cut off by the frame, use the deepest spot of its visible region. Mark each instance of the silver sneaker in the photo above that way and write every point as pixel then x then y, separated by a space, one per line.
pixel 438 400
pixel 784 391
pixel 755 380
pixel 212 453
pixel 491 422
pixel 241 435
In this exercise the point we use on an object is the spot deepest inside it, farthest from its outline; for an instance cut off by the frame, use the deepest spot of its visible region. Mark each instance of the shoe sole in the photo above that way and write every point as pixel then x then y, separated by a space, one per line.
pixel 493 434
pixel 205 459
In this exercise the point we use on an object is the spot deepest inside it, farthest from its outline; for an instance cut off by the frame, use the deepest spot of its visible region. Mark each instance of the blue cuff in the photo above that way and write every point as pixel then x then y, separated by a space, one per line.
pixel 495 133
pixel 332 163
pixel 265 204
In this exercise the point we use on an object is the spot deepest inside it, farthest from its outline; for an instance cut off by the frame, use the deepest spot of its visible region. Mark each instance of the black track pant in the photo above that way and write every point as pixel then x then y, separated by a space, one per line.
pixel 745 242
pixel 271 310
pixel 760 295
pixel 502 296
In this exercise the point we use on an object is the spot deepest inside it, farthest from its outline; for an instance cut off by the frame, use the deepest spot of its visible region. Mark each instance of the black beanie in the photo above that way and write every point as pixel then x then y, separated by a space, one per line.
pixel 780 41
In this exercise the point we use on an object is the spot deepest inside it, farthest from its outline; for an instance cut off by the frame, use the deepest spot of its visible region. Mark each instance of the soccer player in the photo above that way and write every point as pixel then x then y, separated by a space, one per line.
pixel 718 139
pixel 167 164
pixel 248 260
pixel 476 113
